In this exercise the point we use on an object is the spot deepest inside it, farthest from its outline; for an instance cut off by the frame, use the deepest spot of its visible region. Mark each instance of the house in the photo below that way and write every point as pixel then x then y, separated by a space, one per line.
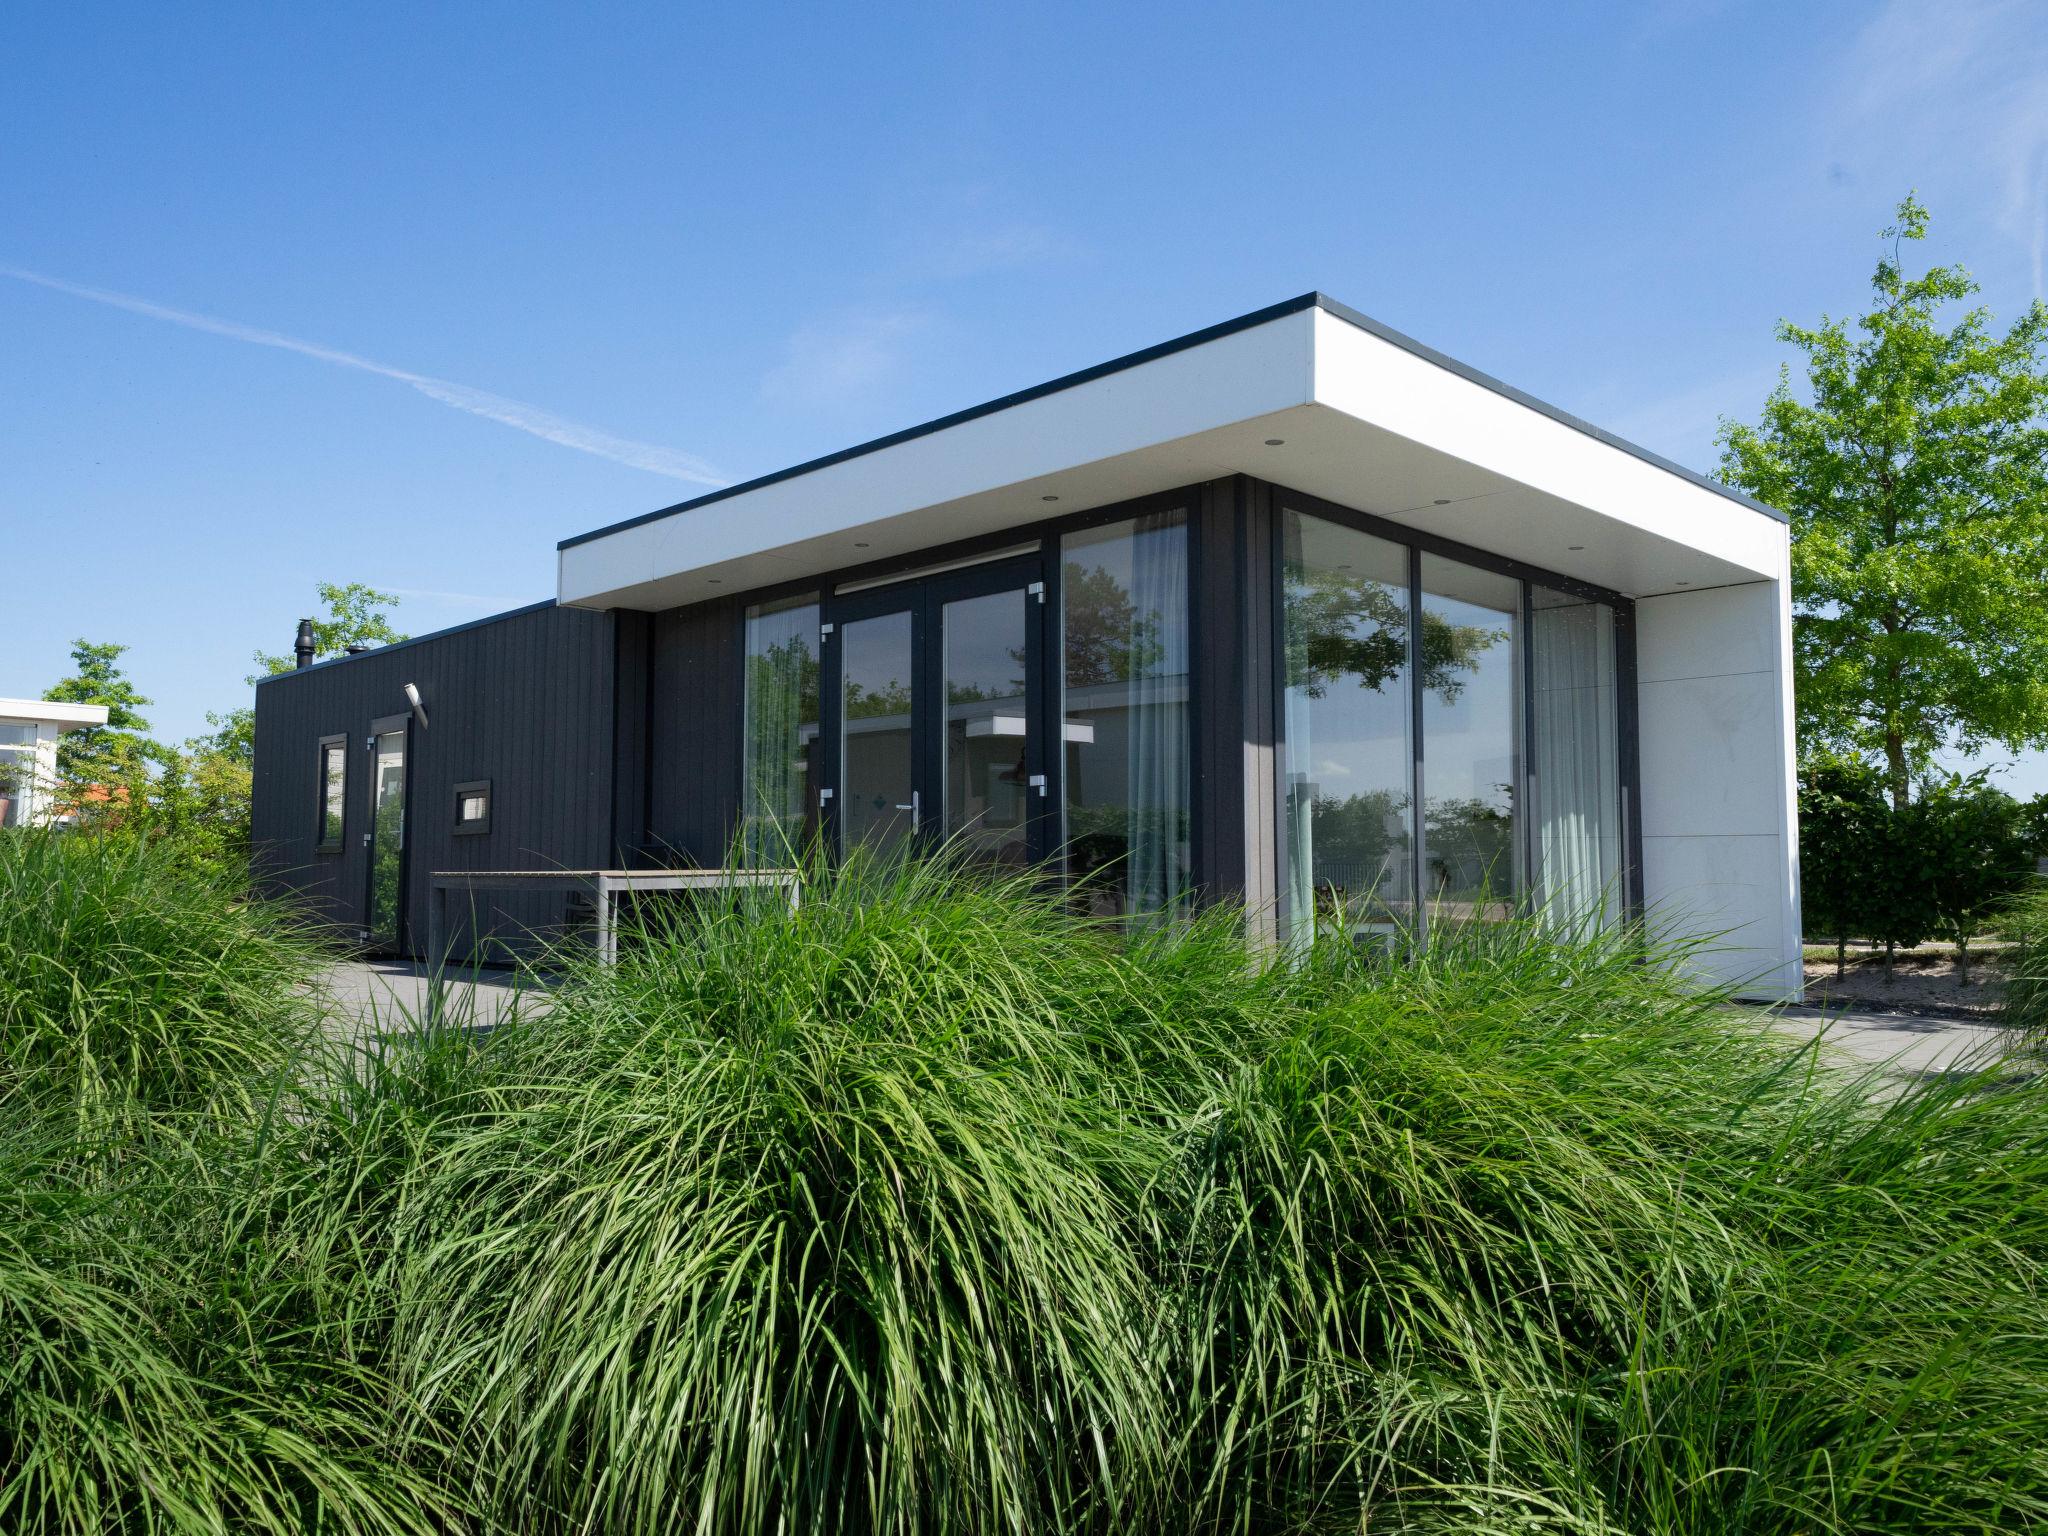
pixel 29 729
pixel 1292 611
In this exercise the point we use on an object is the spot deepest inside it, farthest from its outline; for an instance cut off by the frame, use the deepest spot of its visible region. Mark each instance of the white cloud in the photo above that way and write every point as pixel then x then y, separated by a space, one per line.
pixel 516 414
pixel 836 362
pixel 1957 88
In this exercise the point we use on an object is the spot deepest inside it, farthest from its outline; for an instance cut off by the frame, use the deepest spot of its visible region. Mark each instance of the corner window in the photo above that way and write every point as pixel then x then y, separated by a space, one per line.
pixel 473 807
pixel 1511 734
pixel 779 751
pixel 1124 712
pixel 333 807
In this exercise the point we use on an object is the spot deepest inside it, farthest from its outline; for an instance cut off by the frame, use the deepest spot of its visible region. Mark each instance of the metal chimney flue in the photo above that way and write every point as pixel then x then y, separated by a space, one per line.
pixel 302 647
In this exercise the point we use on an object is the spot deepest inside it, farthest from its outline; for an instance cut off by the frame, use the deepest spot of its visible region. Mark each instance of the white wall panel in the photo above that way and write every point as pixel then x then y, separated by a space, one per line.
pixel 1719 820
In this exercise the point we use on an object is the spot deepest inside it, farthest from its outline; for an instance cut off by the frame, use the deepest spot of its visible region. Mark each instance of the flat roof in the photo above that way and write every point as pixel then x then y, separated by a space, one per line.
pixel 1257 317
pixel 48 712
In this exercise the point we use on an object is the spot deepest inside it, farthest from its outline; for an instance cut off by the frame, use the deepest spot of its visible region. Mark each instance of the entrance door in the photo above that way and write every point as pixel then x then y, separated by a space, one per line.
pixel 385 907
pixel 936 696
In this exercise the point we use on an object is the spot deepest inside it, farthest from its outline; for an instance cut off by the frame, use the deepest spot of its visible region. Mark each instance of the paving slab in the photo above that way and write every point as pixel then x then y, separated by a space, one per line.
pixel 390 996
pixel 1907 1045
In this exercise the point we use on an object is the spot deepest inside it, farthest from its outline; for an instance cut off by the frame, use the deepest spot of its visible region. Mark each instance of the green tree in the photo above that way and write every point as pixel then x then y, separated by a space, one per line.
pixel 355 616
pixel 1843 823
pixel 1976 848
pixel 1916 477
pixel 106 753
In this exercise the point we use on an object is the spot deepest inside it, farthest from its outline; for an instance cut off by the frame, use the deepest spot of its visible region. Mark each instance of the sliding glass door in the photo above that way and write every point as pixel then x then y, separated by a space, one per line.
pixel 1451 740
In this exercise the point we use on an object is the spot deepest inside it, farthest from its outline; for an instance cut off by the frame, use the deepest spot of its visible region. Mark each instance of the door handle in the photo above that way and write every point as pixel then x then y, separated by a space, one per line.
pixel 912 807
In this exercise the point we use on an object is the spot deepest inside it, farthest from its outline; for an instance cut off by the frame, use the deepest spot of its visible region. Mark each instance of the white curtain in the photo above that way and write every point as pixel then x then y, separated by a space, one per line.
pixel 1577 788
pixel 1157 742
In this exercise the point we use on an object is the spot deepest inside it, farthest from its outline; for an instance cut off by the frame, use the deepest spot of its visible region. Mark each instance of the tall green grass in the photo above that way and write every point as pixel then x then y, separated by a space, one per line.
pixel 154 1374
pixel 2024 925
pixel 933 1205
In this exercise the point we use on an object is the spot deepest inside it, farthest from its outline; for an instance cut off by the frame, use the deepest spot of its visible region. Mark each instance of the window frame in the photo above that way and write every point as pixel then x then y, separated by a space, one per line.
pixel 482 825
pixel 321 842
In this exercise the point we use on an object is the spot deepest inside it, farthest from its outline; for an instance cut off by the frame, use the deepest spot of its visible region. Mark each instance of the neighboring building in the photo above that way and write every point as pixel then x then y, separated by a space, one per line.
pixel 29 729
pixel 1292 611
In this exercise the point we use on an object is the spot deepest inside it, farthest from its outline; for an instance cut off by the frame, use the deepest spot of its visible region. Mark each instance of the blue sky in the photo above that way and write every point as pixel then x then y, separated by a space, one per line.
pixel 405 294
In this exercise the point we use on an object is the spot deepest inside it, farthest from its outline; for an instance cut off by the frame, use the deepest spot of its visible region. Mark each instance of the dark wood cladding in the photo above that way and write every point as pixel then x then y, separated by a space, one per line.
pixel 529 701
pixel 695 683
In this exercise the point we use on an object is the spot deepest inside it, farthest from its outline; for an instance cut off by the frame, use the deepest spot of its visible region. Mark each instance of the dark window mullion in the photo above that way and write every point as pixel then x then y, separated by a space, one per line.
pixel 1417 820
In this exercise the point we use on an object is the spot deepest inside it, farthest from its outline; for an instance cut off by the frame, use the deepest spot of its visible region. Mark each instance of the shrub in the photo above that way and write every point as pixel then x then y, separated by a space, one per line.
pixel 933 1205
pixel 130 983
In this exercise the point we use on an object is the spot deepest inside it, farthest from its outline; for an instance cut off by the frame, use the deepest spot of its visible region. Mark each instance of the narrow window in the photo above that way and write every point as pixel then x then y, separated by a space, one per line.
pixel 1471 740
pixel 472 807
pixel 1350 738
pixel 333 809
pixel 779 779
pixel 1124 712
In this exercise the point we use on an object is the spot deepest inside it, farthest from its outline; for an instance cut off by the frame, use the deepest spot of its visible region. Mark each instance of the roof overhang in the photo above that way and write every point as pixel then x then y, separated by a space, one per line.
pixel 1364 417
pixel 66 717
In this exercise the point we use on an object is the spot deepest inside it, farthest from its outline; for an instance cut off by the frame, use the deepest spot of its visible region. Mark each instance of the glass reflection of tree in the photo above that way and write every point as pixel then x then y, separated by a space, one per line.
pixel 1106 640
pixel 1470 846
pixel 781 700
pixel 386 852
pixel 1341 624
pixel 1344 625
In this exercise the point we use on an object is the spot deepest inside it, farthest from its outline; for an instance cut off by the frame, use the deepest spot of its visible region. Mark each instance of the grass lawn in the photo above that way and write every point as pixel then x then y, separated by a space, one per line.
pixel 936 1206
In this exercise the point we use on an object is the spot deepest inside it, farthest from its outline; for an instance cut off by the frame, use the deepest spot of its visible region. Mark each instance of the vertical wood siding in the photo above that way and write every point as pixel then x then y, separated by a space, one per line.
pixel 527 701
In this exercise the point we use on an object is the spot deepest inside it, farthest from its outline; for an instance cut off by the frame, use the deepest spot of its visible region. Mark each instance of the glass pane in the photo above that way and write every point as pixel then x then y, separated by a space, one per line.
pixel 474 808
pixel 333 791
pixel 986 725
pixel 15 734
pixel 1350 761
pixel 387 835
pixel 779 810
pixel 1123 711
pixel 1575 780
pixel 875 805
pixel 1471 710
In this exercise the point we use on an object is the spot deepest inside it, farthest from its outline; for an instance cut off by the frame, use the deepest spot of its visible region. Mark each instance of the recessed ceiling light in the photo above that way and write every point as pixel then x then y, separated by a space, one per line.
pixel 1442 501
pixel 1685 583
pixel 715 581
pixel 1275 442
pixel 1575 547
pixel 860 543
pixel 1048 498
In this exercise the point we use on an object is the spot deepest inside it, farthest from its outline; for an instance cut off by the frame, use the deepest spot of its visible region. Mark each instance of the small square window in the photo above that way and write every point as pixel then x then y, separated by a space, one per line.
pixel 473 807
pixel 333 809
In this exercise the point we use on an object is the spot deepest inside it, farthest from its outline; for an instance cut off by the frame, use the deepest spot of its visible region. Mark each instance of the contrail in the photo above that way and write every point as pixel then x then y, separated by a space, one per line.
pixel 516 414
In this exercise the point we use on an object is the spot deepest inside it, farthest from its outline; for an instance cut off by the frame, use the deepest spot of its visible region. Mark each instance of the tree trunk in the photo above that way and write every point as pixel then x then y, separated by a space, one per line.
pixel 1895 768
pixel 1891 948
pixel 1962 962
pixel 1841 956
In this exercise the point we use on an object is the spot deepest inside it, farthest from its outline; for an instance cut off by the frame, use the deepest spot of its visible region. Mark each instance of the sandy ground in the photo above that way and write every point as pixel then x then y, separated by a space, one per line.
pixel 1923 981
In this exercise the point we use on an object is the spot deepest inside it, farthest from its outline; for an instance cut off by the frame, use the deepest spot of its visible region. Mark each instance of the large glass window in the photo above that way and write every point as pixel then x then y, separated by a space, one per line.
pixel 1350 758
pixel 1124 712
pixel 1517 745
pixel 1575 777
pixel 1471 735
pixel 988 725
pixel 779 776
